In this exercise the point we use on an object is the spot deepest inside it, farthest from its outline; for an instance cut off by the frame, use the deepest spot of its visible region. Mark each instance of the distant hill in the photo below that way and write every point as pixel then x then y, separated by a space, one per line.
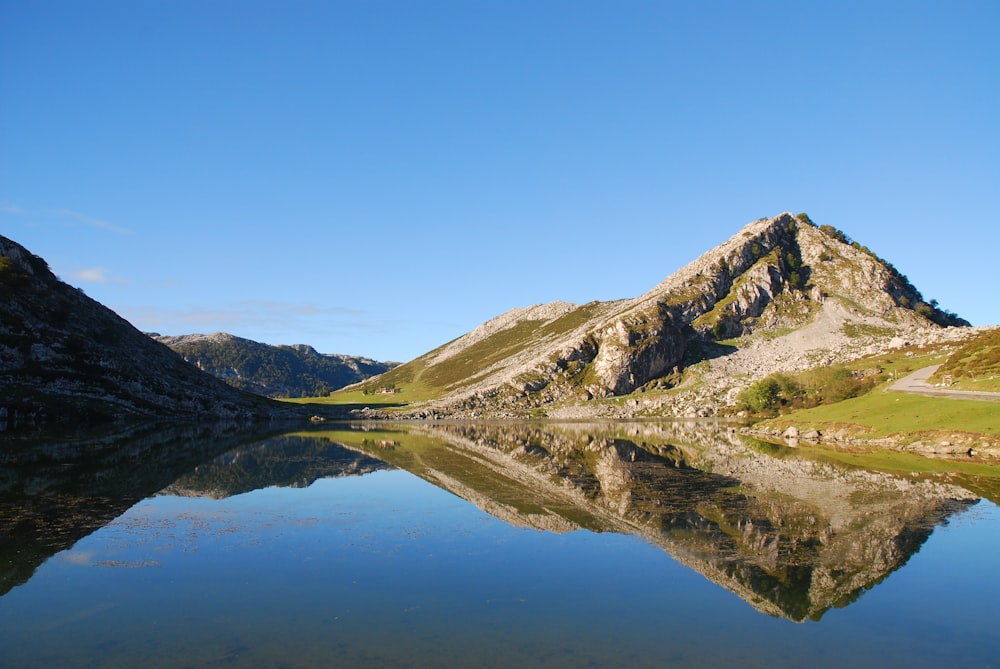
pixel 781 294
pixel 65 358
pixel 274 371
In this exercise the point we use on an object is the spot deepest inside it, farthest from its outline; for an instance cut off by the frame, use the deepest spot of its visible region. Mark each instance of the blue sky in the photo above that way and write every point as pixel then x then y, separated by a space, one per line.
pixel 377 178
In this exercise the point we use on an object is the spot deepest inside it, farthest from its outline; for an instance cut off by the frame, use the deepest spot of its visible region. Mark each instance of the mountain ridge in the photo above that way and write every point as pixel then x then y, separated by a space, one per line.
pixel 774 274
pixel 296 370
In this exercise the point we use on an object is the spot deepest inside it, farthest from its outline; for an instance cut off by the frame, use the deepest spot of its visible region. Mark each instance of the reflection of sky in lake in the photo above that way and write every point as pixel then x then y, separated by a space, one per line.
pixel 387 570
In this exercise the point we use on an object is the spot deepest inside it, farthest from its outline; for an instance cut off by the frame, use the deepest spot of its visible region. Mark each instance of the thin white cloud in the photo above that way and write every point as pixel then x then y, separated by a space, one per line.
pixel 12 209
pixel 92 275
pixel 96 275
pixel 81 558
pixel 279 308
pixel 89 220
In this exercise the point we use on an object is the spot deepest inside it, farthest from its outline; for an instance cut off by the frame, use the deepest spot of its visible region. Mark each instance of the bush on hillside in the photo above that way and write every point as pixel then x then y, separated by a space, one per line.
pixel 770 393
pixel 820 386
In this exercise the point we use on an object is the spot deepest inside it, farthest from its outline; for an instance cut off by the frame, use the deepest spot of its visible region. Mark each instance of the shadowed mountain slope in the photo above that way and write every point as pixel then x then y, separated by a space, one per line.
pixel 65 358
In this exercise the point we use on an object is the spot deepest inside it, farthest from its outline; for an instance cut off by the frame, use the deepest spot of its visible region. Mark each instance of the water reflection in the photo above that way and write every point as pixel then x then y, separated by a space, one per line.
pixel 55 492
pixel 791 536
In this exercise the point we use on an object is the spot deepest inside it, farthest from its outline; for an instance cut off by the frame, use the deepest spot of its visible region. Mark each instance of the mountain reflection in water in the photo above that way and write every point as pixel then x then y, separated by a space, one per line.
pixel 791 536
pixel 55 493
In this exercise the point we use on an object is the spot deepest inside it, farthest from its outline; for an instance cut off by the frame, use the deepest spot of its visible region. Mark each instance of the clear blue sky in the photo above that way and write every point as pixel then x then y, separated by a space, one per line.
pixel 379 177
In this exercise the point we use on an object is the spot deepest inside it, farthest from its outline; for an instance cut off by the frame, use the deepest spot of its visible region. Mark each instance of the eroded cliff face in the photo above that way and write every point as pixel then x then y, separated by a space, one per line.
pixel 631 352
pixel 792 537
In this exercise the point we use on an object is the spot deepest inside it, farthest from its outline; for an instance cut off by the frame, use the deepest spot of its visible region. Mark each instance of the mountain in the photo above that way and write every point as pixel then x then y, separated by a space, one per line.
pixel 274 371
pixel 66 359
pixel 793 293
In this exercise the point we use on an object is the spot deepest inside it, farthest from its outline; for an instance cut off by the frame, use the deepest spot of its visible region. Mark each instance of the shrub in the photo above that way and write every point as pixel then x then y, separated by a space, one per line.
pixel 11 275
pixel 760 396
pixel 839 235
pixel 719 329
pixel 770 393
pixel 839 383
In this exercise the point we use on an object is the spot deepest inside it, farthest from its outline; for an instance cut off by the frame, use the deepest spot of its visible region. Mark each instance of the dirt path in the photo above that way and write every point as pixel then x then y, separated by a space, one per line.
pixel 917 383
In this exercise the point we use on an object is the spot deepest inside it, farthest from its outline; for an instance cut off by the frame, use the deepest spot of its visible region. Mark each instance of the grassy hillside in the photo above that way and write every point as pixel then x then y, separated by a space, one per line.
pixel 435 374
pixel 975 366
pixel 873 411
pixel 883 413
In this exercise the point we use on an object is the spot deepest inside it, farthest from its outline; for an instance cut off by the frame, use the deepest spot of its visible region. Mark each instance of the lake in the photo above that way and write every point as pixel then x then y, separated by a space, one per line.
pixel 488 545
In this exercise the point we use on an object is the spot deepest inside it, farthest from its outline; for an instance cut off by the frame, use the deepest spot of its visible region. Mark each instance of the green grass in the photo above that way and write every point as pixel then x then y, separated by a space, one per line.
pixel 883 413
pixel 474 359
pixel 573 319
pixel 420 381
pixel 407 393
pixel 976 365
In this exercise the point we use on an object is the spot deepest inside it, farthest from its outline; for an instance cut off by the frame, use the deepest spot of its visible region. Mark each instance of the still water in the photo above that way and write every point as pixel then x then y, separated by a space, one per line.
pixel 619 545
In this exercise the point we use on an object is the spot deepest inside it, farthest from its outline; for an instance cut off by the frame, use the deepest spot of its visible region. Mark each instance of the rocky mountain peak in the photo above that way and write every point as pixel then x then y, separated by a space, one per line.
pixel 775 274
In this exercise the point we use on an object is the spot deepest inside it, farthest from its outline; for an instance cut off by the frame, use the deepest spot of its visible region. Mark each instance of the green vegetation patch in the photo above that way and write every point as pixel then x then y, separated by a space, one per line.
pixel 419 381
pixel 885 413
pixel 976 365
pixel 476 358
pixel 817 387
pixel 857 330
pixel 11 275
pixel 572 320
pixel 784 393
pixel 721 308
